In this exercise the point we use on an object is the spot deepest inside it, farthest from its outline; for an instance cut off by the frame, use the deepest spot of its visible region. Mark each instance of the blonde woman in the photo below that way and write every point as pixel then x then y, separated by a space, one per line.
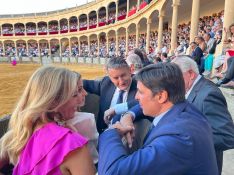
pixel 38 140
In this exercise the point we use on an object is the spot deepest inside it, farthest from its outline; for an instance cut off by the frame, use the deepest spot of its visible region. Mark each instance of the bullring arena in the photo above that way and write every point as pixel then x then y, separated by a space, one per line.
pixel 83 38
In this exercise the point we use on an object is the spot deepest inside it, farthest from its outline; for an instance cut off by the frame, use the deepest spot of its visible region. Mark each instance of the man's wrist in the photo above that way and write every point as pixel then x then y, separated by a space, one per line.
pixel 131 114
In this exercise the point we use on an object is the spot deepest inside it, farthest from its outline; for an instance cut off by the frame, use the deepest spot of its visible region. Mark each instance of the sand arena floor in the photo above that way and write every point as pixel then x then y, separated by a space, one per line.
pixel 13 79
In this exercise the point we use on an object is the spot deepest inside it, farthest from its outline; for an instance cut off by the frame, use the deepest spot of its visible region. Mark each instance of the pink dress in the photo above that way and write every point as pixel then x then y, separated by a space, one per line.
pixel 46 150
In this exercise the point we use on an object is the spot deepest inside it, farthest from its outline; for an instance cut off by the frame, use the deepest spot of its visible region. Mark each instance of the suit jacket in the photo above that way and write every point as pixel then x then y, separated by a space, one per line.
pixel 197 54
pixel 208 99
pixel 181 143
pixel 105 89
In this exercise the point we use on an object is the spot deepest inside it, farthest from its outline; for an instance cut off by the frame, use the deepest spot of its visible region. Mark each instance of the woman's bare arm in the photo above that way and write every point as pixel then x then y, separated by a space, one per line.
pixel 78 162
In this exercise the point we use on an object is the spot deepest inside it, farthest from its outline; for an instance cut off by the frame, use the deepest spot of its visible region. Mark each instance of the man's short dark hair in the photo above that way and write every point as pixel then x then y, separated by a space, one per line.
pixel 116 63
pixel 164 76
pixel 139 53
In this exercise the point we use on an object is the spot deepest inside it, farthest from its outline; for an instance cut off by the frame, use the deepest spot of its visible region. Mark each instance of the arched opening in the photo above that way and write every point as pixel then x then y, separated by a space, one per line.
pixel 121 42
pixel 55 47
pixel 63 25
pixel 93 50
pixel 112 43
pixel 92 20
pixel 102 17
pixel 42 28
pixel 74 47
pixel 31 28
pixel 102 45
pixel 33 48
pixel 44 48
pixel 53 27
pixel 21 48
pixel 83 22
pixel 111 13
pixel 122 9
pixel 84 48
pixel 65 48
pixel 73 24
pixel 132 37
pixel 7 30
pixel 10 49
pixel 19 29
pixel 142 33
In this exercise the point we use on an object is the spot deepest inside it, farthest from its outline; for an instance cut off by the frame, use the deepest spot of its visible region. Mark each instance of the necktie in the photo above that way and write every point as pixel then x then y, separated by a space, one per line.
pixel 148 133
pixel 120 98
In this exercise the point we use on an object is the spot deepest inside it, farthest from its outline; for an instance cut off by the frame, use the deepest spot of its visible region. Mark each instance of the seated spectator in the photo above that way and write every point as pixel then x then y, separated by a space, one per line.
pixel 228 79
pixel 134 62
pixel 43 111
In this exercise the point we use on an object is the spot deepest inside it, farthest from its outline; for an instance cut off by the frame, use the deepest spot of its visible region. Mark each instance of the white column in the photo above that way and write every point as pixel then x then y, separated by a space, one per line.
pixel 25 29
pixel 160 29
pixel 138 4
pixel 14 29
pixel 117 44
pixel 107 43
pixel 137 35
pixel 148 36
pixel 117 10
pixel 16 49
pixel 228 15
pixel 49 50
pixel 36 28
pixel 175 5
pixel 39 49
pixel 127 7
pixel 98 40
pixel 127 38
pixel 97 19
pixel 78 24
pixel 194 19
pixel 89 44
pixel 107 14
pixel 87 21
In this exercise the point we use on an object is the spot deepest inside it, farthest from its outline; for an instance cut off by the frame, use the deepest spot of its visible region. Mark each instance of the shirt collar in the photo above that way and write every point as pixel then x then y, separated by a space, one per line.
pixel 159 117
pixel 194 83
pixel 126 90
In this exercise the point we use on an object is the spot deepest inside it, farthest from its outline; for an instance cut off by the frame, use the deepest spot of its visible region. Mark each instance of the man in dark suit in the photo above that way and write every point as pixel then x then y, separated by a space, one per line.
pixel 109 88
pixel 208 99
pixel 180 140
pixel 197 55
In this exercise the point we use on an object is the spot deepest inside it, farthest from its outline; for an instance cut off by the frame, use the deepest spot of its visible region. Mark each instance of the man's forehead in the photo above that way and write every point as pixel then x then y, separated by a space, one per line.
pixel 119 69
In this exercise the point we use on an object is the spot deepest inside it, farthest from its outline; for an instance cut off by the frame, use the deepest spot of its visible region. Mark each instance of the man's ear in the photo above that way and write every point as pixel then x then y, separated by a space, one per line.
pixel 132 69
pixel 192 75
pixel 162 96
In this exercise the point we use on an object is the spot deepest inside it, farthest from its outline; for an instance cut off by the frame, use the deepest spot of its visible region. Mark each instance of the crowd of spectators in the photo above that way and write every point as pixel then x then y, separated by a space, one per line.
pixel 202 50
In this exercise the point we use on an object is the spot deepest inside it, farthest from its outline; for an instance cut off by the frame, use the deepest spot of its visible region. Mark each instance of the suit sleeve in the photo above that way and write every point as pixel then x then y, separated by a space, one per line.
pixel 138 113
pixel 154 158
pixel 92 86
pixel 215 109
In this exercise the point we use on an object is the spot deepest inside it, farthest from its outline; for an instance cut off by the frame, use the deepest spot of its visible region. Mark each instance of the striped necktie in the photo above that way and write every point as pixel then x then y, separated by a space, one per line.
pixel 120 98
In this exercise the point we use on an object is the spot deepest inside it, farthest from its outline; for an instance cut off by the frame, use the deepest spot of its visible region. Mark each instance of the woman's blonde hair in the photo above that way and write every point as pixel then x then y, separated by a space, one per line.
pixel 47 89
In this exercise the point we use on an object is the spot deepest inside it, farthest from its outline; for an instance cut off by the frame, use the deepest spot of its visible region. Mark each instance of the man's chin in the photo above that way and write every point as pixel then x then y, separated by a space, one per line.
pixel 123 88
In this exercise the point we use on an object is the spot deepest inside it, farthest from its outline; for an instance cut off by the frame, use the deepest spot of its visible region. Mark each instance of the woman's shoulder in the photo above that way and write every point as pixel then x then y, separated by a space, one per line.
pixel 47 147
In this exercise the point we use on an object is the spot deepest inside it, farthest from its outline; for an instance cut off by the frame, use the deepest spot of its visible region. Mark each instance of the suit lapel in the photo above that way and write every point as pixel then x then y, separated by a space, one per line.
pixel 195 90
pixel 109 94
pixel 132 90
pixel 167 118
